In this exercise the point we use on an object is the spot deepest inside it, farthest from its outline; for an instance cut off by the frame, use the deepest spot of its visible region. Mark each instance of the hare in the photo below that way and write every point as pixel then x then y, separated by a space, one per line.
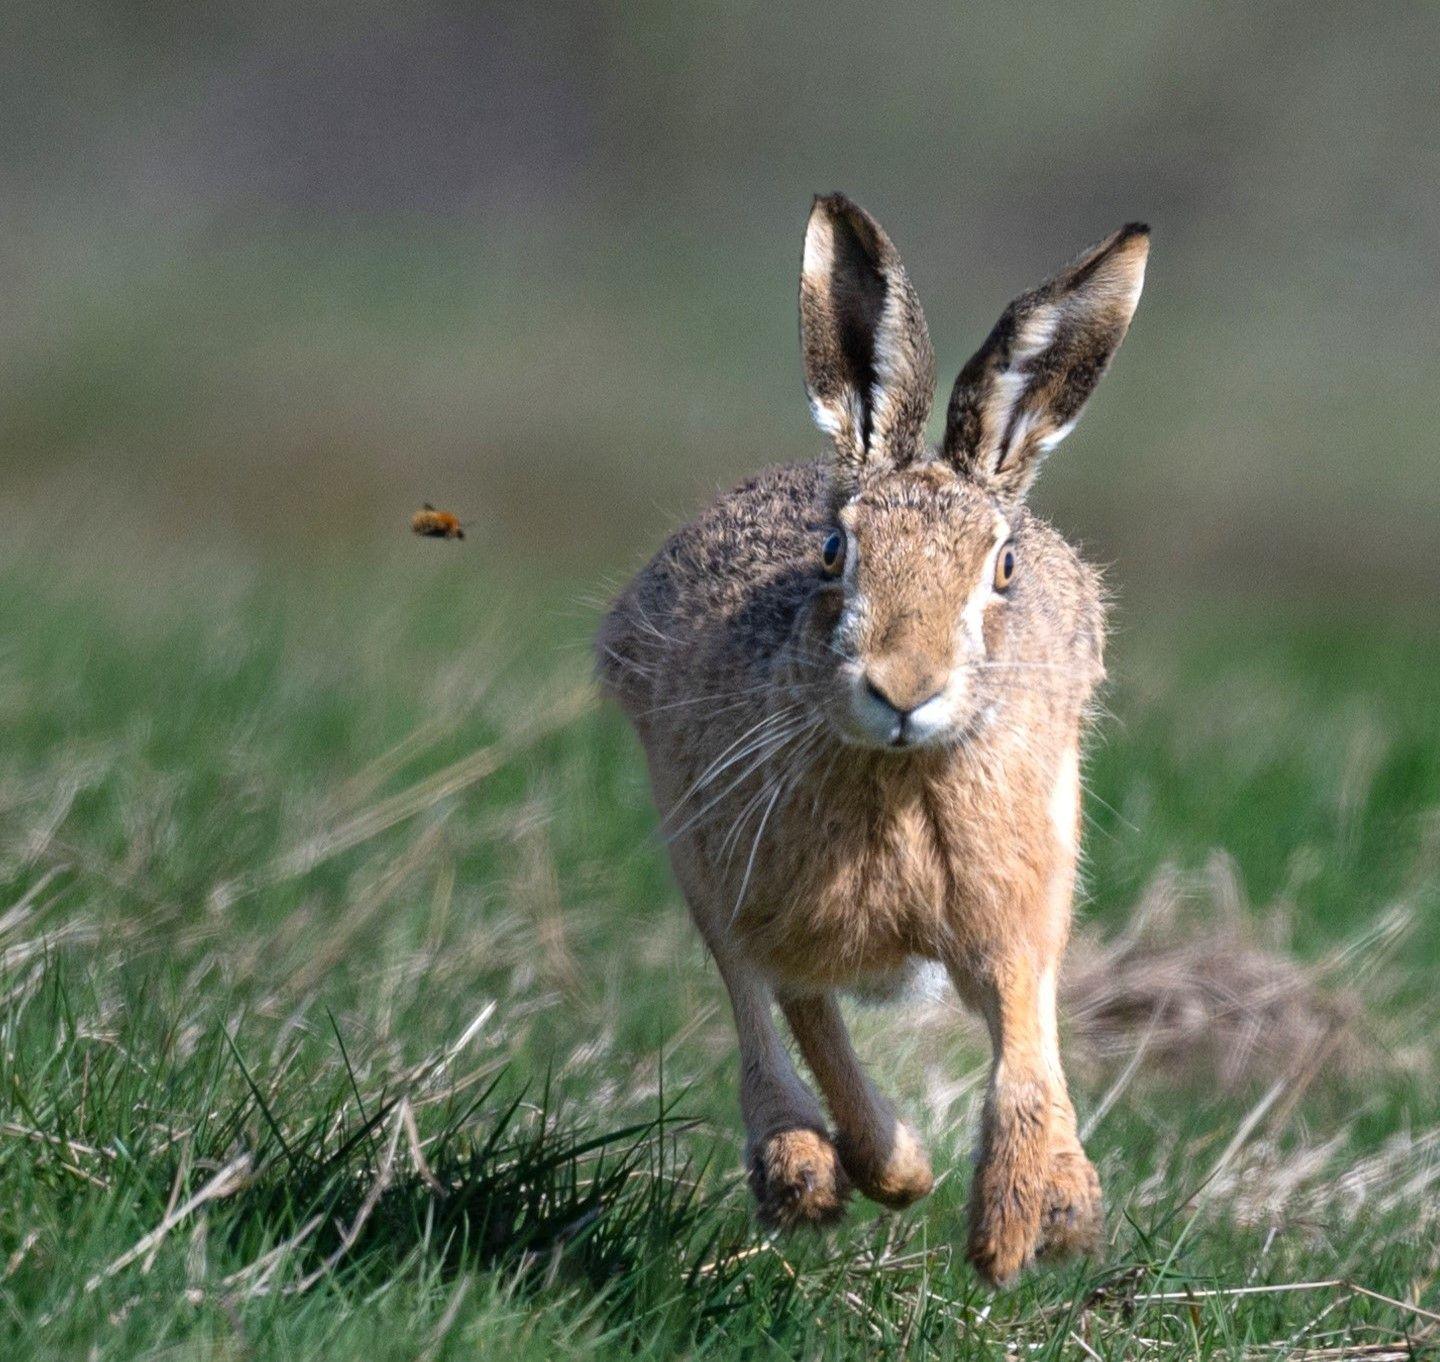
pixel 861 686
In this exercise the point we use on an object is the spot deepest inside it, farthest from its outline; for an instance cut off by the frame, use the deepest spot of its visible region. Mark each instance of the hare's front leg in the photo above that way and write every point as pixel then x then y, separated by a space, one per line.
pixel 880 1153
pixel 795 1170
pixel 1035 1193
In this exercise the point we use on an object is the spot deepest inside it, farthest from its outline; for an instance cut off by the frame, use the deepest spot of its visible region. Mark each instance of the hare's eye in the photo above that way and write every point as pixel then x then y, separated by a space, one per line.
pixel 1004 567
pixel 832 554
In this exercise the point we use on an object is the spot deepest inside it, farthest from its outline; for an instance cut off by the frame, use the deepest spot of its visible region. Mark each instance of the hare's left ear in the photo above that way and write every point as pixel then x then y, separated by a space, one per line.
pixel 869 366
pixel 1022 392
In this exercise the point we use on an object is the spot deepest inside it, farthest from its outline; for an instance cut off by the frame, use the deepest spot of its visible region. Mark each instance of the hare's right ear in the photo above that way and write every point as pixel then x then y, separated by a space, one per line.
pixel 869 366
pixel 1021 393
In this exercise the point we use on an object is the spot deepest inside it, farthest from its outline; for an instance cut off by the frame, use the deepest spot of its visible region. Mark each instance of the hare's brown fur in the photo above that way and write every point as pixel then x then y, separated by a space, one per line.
pixel 820 847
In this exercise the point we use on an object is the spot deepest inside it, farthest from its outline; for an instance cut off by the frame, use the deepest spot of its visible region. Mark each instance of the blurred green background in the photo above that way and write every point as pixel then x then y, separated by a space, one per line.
pixel 290 797
pixel 276 274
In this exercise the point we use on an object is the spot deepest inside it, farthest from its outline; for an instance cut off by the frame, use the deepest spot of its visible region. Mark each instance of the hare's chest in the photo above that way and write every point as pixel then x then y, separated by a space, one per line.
pixel 850 892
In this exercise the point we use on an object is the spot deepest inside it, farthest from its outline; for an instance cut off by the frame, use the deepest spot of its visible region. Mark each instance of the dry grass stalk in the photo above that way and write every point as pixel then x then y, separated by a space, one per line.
pixel 229 1179
pixel 1194 986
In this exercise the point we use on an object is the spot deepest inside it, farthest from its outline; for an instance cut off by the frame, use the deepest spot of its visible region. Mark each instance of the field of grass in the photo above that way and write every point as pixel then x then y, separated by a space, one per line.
pixel 346 1006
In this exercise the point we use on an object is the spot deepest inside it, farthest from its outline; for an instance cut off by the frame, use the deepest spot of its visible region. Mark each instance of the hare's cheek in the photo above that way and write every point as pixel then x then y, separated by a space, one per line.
pixel 828 609
pixel 823 633
pixel 853 630
pixel 993 627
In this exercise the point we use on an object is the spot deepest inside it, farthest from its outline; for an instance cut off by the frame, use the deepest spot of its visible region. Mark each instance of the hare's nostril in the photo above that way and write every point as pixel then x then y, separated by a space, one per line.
pixel 903 703
pixel 875 693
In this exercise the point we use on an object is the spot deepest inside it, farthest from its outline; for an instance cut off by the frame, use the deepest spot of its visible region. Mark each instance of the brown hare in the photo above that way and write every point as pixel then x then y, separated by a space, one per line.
pixel 861 686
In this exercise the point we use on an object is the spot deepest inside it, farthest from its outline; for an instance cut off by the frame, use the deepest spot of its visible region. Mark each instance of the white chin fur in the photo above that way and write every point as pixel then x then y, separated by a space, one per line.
pixel 930 721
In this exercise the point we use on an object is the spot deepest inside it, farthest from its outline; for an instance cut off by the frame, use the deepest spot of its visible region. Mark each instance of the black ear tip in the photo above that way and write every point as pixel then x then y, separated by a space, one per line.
pixel 834 203
pixel 1132 229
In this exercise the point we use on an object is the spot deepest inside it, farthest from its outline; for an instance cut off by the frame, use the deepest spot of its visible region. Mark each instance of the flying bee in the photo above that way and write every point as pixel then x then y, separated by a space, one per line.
pixel 435 524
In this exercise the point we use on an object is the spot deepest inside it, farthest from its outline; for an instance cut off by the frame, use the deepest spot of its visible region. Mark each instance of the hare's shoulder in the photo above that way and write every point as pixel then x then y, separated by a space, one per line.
pixel 735 574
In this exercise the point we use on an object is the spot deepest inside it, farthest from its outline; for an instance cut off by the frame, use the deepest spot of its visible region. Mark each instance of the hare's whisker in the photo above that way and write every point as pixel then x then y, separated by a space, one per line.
pixel 775 744
pixel 782 782
pixel 732 838
pixel 1089 792
pixel 830 647
pixel 719 767
pixel 808 742
pixel 754 850
pixel 799 732
pixel 805 655
pixel 626 663
pixel 757 727
pixel 734 697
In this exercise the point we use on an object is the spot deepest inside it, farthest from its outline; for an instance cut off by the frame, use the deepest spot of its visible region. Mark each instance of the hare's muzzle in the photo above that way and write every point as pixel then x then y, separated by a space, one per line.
pixel 903 706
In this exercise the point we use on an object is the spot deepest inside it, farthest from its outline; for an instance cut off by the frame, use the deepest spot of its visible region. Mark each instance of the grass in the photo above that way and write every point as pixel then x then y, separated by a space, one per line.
pixel 347 1007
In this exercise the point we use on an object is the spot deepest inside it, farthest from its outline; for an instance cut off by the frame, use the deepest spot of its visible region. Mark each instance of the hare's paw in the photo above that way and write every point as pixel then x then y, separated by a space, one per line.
pixel 1074 1216
pixel 1004 1235
pixel 897 1176
pixel 798 1179
pixel 1007 1204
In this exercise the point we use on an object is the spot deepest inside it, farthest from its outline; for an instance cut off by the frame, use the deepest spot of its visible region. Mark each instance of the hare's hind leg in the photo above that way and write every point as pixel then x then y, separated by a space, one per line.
pixel 795 1170
pixel 881 1154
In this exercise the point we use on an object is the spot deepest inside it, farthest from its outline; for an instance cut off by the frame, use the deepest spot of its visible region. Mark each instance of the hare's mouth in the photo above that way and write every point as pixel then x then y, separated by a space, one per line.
pixel 903 735
pixel 954 734
pixel 872 721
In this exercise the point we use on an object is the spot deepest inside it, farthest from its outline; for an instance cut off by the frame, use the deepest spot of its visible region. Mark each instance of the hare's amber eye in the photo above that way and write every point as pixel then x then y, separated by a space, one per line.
pixel 832 554
pixel 1004 567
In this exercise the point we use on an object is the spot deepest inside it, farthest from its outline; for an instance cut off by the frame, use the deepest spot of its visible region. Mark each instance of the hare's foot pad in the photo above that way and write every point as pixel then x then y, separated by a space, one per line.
pixel 798 1179
pixel 1074 1217
pixel 897 1178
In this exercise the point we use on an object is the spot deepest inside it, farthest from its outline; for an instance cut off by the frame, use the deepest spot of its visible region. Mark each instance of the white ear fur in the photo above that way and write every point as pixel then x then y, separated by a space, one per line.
pixel 869 365
pixel 836 409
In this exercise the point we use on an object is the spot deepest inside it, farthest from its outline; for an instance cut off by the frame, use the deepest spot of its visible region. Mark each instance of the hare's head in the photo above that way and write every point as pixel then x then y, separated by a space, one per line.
pixel 927 612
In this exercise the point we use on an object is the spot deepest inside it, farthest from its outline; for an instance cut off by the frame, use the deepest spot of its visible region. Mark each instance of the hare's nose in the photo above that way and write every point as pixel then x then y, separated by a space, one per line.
pixel 903 696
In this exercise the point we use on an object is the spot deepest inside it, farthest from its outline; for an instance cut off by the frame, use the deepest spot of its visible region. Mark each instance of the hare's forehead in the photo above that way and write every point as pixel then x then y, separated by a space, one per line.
pixel 956 531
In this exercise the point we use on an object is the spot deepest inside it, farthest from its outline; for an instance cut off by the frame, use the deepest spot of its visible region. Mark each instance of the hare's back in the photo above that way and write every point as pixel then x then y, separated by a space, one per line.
pixel 728 583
